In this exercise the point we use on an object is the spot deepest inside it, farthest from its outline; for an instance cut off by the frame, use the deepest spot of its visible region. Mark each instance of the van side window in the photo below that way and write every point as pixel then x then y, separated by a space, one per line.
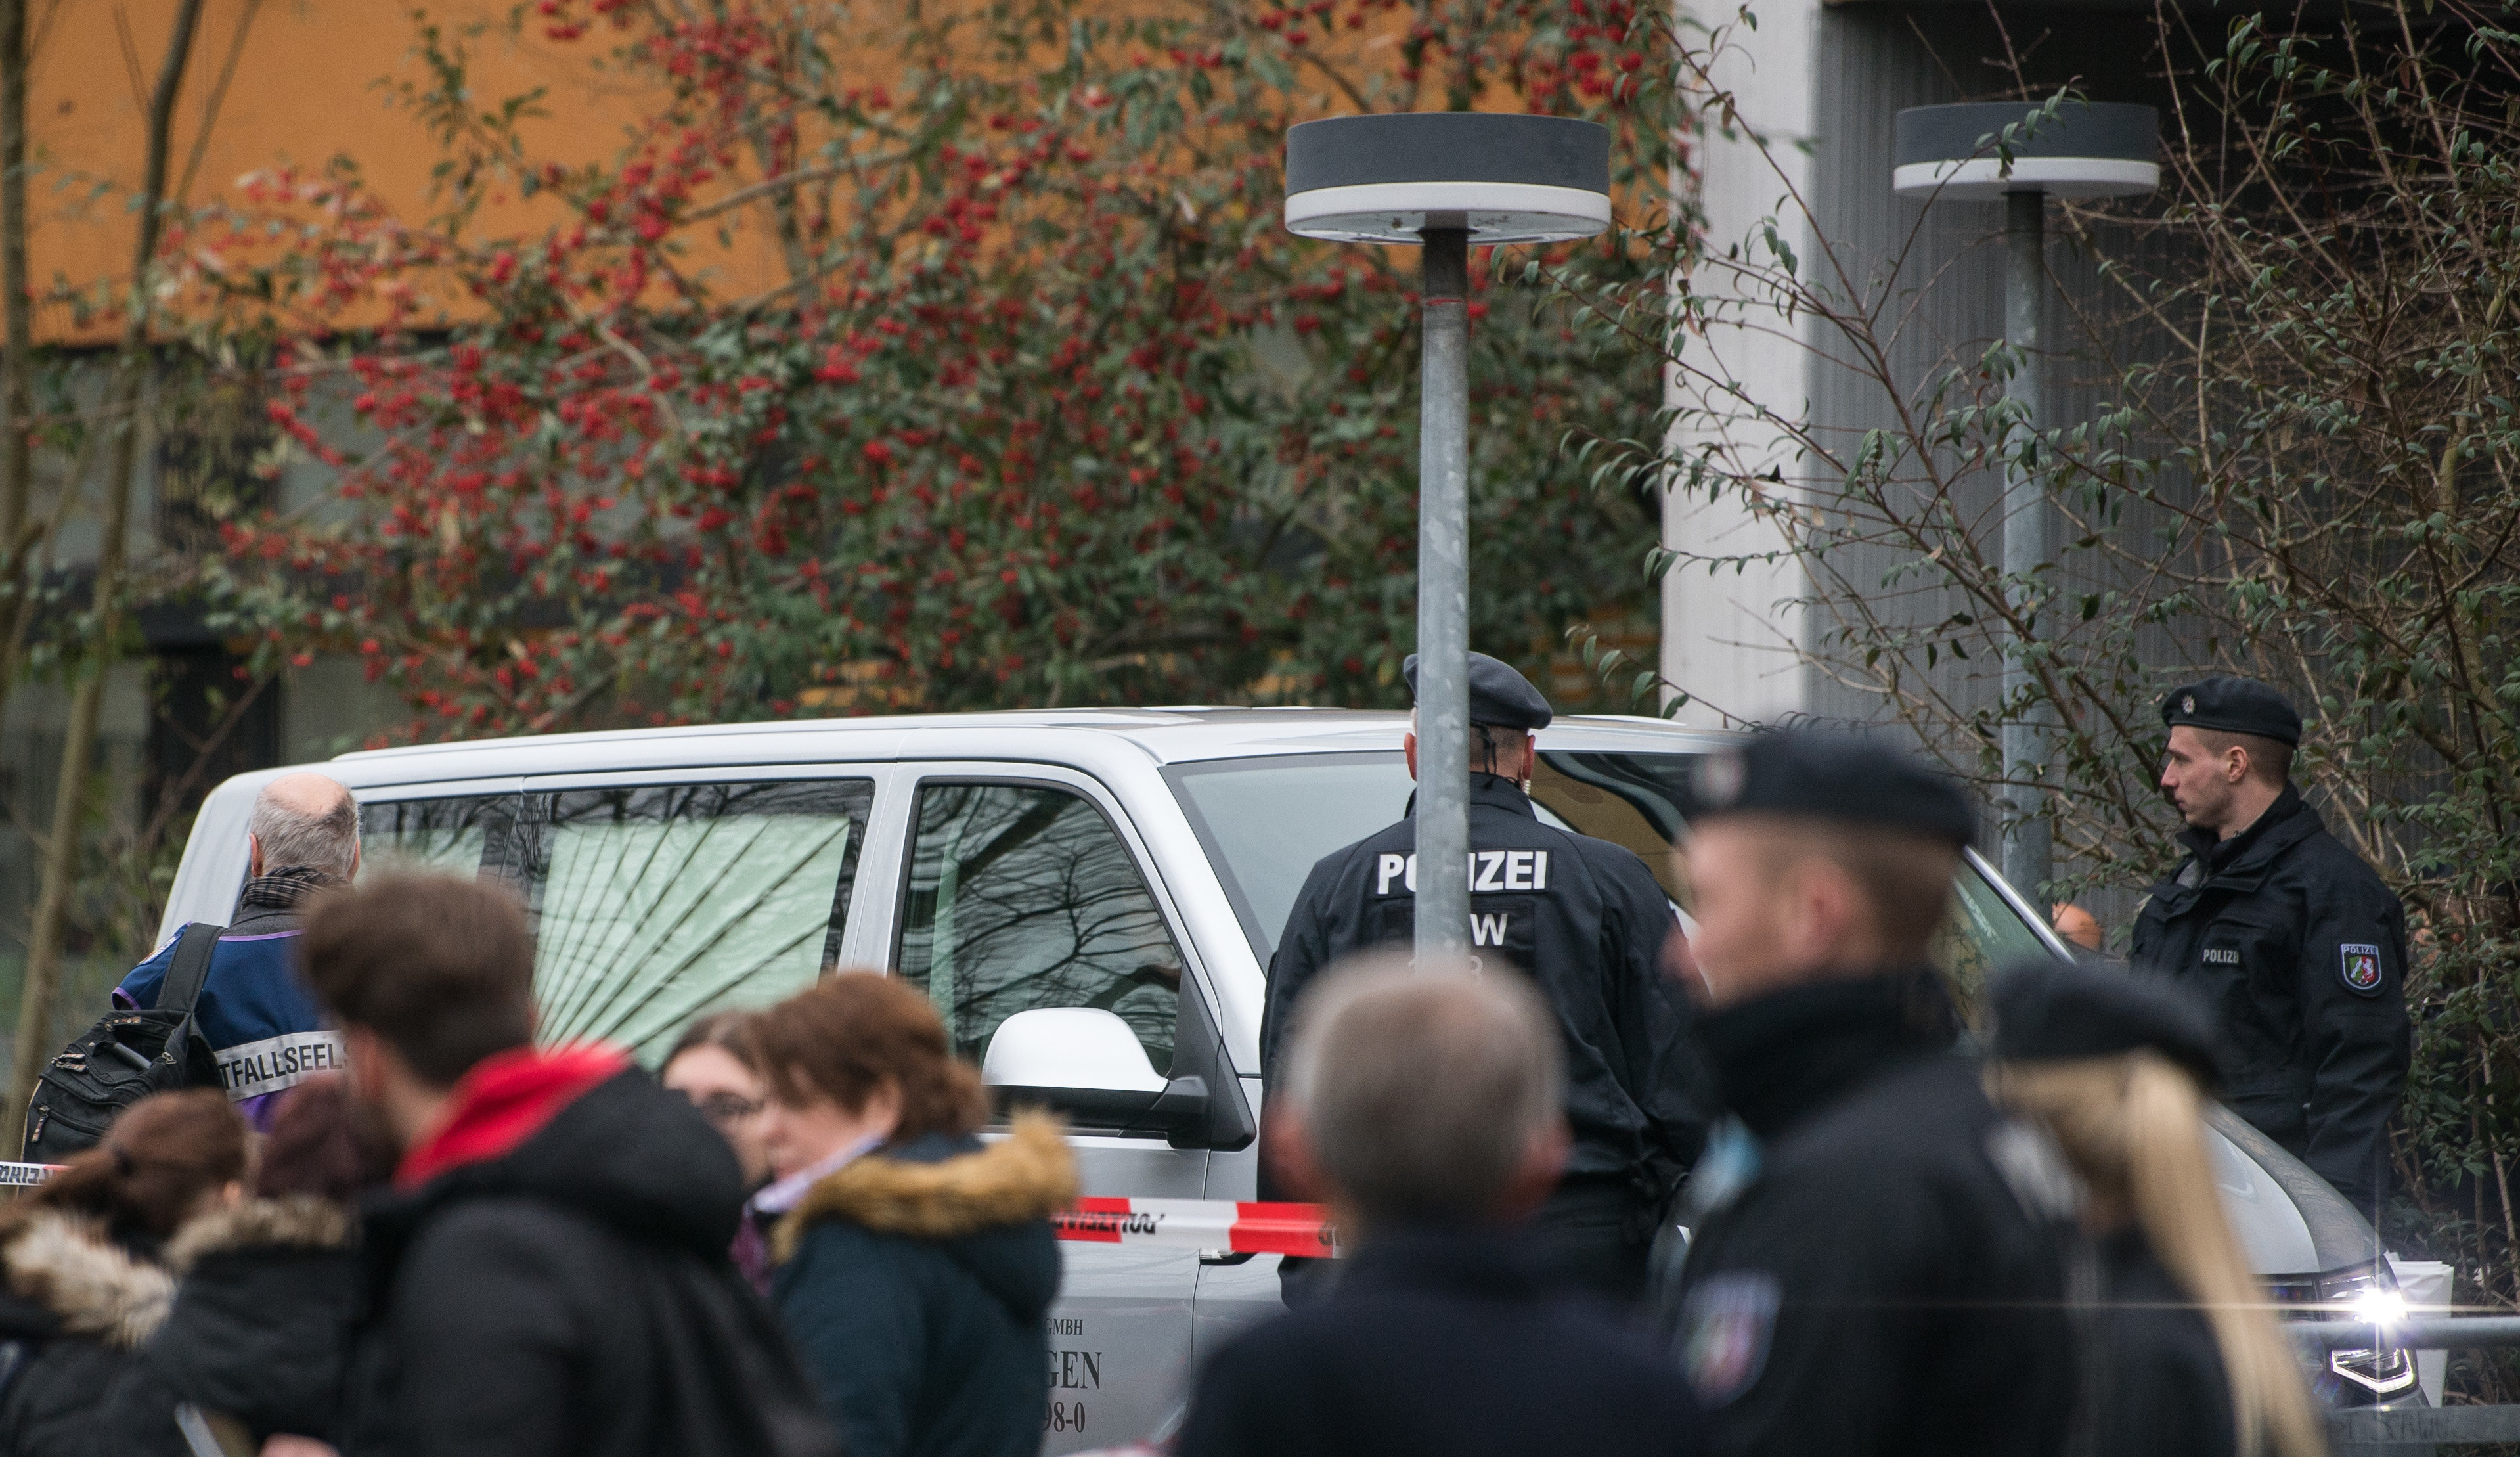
pixel 467 836
pixel 652 905
pixel 1021 895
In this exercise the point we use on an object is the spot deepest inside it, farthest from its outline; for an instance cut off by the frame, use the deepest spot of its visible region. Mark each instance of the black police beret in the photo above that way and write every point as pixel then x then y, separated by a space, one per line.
pixel 2236 706
pixel 1500 697
pixel 1833 776
pixel 2053 1009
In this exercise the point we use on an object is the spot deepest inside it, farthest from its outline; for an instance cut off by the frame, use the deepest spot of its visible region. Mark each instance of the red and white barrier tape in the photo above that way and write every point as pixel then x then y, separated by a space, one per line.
pixel 1248 1227
pixel 1202 1224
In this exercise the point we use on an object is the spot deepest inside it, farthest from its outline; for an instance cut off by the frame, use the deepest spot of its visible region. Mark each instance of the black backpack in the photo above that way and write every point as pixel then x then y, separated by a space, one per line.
pixel 126 1057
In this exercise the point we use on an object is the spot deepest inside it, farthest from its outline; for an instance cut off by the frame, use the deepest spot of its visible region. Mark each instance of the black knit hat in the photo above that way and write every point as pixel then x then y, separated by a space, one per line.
pixel 2054 1009
pixel 1833 776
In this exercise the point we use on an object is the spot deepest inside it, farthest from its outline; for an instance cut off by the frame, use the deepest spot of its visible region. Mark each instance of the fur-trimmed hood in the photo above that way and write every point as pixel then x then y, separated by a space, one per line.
pixel 1028 1175
pixel 300 1222
pixel 93 1285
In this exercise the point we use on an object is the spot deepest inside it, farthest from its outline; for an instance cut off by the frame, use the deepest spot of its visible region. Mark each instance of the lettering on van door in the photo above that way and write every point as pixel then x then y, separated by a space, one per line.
pixel 1072 1369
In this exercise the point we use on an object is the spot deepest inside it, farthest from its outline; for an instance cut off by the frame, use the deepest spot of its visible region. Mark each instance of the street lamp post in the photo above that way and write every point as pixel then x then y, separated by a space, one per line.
pixel 2086 150
pixel 1448 181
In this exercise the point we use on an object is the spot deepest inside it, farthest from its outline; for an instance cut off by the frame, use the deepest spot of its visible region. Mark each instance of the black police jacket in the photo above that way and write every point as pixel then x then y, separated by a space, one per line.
pixel 1887 1270
pixel 2300 951
pixel 1582 917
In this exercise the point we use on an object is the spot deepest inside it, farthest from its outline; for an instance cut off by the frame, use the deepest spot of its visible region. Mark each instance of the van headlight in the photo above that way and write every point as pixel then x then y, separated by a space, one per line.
pixel 2366 1295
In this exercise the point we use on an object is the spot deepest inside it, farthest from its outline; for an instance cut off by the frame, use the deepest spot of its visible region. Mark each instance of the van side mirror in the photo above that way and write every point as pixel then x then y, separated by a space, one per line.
pixel 1086 1063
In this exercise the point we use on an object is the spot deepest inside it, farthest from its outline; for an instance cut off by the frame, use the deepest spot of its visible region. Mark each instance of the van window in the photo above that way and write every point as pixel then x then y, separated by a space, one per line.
pixel 1022 895
pixel 652 905
pixel 1265 821
pixel 435 837
pixel 1982 937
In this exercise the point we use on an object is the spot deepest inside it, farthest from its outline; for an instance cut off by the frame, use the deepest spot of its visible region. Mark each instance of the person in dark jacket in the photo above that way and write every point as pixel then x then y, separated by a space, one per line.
pixel 302 838
pixel 1427 1109
pixel 1880 1255
pixel 84 1283
pixel 548 1273
pixel 2181 1357
pixel 263 1312
pixel 914 1265
pixel 2294 942
pixel 1583 918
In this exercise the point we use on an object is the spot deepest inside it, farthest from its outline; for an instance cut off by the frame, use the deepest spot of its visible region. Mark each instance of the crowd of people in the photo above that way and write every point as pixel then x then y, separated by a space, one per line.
pixel 792 1243
pixel 440 1237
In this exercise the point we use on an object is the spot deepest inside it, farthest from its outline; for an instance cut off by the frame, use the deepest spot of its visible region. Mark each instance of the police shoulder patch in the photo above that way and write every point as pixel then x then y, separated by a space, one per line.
pixel 1725 1324
pixel 2359 964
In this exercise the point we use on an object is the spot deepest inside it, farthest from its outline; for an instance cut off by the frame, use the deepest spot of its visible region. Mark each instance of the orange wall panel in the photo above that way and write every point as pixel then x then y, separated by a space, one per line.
pixel 312 81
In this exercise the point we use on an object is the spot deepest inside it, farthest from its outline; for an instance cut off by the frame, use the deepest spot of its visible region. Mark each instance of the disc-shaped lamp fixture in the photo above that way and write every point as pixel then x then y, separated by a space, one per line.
pixel 1502 177
pixel 2086 150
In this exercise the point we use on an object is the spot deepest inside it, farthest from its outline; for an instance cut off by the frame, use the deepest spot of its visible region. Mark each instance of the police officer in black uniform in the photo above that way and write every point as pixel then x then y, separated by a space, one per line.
pixel 2295 943
pixel 1880 1256
pixel 1588 923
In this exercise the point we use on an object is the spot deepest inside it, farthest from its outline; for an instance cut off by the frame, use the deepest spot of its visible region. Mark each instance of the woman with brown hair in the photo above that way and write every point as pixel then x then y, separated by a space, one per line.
pixel 2181 1355
pixel 914 1263
pixel 81 1256
pixel 261 1325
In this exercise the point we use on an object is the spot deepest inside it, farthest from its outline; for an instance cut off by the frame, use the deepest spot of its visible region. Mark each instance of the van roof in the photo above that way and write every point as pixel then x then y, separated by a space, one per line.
pixel 1170 734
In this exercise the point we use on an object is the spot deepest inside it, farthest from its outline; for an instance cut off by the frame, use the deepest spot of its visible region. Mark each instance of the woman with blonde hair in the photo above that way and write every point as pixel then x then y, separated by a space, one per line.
pixel 2184 1355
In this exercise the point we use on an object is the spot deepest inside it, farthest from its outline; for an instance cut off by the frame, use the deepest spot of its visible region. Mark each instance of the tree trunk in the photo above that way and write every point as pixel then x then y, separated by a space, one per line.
pixel 17 346
pixel 78 747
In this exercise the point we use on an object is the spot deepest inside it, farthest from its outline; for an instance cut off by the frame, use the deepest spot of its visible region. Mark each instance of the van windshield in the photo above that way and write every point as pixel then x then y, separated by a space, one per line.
pixel 1265 821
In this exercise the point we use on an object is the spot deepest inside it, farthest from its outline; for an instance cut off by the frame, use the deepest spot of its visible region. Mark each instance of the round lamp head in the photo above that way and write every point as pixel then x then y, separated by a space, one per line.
pixel 1506 178
pixel 2086 150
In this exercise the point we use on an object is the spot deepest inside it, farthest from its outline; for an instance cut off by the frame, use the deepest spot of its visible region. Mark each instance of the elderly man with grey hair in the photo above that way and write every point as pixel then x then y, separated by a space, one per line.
pixel 301 836
pixel 1427 1109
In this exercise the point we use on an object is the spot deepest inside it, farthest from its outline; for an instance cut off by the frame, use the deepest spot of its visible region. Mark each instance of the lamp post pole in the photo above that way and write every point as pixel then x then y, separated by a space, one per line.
pixel 1441 180
pixel 2084 149
pixel 1443 910
pixel 2028 541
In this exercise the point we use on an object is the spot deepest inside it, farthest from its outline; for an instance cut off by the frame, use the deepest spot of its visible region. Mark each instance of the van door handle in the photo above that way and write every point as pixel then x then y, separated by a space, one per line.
pixel 1227 1257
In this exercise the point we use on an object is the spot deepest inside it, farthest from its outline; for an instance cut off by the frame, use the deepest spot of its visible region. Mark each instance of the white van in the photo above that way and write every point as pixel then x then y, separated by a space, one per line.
pixel 1137 864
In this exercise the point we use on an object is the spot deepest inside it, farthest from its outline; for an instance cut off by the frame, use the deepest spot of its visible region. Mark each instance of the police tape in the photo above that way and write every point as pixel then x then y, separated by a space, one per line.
pixel 1247 1228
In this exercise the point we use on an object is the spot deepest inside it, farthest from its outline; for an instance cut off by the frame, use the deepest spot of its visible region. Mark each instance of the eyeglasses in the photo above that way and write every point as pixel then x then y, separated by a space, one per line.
pixel 723 1108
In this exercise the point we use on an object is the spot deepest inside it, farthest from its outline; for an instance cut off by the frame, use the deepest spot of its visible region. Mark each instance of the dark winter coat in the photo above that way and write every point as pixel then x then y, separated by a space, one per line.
pixel 2156 1373
pixel 914 1281
pixel 75 1304
pixel 2300 951
pixel 1886 1272
pixel 573 1295
pixel 258 1335
pixel 1449 1345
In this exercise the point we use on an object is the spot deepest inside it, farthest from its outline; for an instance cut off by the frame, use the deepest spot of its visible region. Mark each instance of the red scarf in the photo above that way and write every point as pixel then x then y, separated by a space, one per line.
pixel 505 1099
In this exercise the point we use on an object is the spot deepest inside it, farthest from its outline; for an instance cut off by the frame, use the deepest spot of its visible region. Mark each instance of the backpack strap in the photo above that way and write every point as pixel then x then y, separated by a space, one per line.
pixel 191 967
